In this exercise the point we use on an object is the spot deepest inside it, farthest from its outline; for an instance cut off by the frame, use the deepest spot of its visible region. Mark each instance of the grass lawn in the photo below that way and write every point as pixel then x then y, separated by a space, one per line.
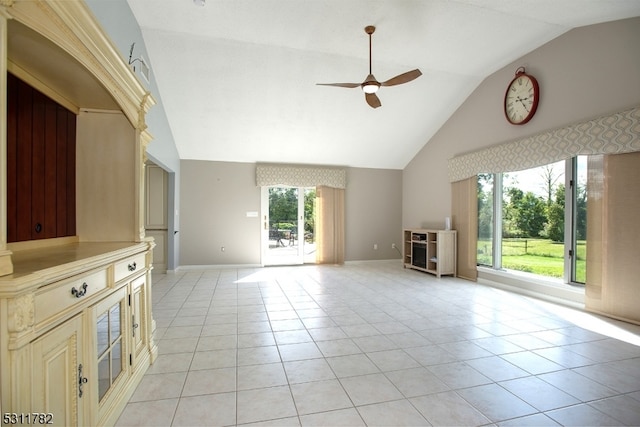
pixel 537 256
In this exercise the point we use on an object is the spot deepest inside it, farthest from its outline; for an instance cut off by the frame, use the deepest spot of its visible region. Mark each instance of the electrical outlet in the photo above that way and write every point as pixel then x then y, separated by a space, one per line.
pixel 393 246
pixel 375 246
pixel 222 249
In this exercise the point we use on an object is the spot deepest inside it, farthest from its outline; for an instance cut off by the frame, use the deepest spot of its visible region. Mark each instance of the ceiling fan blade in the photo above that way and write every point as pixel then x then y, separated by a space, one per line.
pixel 402 78
pixel 372 100
pixel 349 85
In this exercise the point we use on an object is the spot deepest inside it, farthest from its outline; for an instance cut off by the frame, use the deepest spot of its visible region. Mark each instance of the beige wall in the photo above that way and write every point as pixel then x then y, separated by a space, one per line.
pixel 105 177
pixel 373 214
pixel 586 73
pixel 216 196
pixel 215 199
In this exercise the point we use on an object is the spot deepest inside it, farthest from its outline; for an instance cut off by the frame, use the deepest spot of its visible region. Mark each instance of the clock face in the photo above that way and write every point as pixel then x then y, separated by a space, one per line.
pixel 521 99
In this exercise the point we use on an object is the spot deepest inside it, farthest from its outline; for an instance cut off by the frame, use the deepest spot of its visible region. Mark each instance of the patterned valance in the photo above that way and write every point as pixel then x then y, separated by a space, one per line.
pixel 614 134
pixel 300 176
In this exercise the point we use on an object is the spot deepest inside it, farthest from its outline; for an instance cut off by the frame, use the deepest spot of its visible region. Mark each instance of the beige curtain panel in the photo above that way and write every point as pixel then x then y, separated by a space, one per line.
pixel 330 225
pixel 464 210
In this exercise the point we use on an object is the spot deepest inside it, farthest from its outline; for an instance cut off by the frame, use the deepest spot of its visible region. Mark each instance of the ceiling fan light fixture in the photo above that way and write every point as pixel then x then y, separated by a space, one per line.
pixel 370 87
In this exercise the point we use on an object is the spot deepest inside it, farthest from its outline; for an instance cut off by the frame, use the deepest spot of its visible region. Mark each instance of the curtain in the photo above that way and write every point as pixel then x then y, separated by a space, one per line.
pixel 464 211
pixel 613 134
pixel 330 225
pixel 299 176
pixel 613 204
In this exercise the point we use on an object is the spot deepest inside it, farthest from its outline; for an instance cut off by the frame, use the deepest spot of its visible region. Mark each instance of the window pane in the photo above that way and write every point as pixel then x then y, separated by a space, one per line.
pixel 485 219
pixel 114 321
pixel 116 364
pixel 580 226
pixel 103 333
pixel 533 220
pixel 104 375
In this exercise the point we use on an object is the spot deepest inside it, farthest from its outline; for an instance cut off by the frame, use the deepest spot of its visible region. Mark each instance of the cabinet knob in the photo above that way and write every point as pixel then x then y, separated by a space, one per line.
pixel 132 267
pixel 79 292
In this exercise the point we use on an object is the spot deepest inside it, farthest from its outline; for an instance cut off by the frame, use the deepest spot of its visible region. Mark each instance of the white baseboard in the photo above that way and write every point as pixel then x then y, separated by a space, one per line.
pixel 214 267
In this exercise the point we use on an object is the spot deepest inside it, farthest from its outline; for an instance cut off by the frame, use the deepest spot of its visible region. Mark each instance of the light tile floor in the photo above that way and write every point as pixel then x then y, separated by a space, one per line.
pixel 374 344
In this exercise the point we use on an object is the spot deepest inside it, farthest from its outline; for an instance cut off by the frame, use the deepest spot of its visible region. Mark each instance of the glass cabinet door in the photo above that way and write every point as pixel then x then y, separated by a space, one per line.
pixel 110 345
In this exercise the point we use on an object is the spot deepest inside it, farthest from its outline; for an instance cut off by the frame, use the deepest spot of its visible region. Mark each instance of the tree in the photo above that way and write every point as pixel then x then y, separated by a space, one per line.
pixel 485 206
pixel 550 178
pixel 309 211
pixel 581 212
pixel 555 216
pixel 283 205
pixel 531 215
pixel 524 214
pixel 510 208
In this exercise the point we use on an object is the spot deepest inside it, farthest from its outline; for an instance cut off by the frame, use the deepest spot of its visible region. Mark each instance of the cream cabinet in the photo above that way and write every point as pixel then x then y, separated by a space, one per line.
pixel 77 346
pixel 58 374
pixel 431 251
pixel 76 328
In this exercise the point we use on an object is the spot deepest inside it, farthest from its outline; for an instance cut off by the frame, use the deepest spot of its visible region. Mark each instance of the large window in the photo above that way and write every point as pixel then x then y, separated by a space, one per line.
pixel 534 221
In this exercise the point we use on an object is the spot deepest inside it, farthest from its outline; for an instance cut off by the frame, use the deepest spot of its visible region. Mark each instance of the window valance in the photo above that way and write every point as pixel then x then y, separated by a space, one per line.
pixel 614 134
pixel 300 176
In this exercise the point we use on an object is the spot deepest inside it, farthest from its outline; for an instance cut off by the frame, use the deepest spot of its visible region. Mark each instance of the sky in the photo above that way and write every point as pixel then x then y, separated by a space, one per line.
pixel 532 179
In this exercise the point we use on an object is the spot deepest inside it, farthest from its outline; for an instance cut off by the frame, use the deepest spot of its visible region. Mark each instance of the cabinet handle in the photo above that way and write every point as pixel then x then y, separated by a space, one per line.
pixel 79 293
pixel 81 380
pixel 132 267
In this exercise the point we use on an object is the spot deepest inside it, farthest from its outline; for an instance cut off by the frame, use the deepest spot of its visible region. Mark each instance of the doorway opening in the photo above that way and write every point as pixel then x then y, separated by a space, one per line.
pixel 288 229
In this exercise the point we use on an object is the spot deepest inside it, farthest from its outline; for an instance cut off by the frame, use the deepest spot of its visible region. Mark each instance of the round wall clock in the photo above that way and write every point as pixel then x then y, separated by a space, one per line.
pixel 521 98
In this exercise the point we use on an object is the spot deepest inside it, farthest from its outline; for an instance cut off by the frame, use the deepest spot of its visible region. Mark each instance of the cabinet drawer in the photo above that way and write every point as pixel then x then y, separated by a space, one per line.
pixel 129 266
pixel 57 298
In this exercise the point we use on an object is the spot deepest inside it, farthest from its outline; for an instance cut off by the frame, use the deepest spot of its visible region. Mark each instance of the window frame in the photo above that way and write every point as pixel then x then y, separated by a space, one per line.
pixel 570 226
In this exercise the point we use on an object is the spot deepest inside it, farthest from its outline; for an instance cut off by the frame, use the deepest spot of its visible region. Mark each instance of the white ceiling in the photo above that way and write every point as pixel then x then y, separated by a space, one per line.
pixel 237 78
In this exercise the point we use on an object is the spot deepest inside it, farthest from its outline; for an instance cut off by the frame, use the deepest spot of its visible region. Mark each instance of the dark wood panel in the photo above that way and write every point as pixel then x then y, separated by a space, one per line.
pixel 12 162
pixel 37 166
pixel 50 166
pixel 71 173
pixel 25 135
pixel 41 165
pixel 61 172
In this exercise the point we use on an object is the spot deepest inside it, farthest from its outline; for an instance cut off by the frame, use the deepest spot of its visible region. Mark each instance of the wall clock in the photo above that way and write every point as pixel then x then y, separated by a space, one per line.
pixel 521 98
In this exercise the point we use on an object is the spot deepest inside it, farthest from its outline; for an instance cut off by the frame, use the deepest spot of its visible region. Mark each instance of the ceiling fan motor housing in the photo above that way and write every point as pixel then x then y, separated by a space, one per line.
pixel 370 85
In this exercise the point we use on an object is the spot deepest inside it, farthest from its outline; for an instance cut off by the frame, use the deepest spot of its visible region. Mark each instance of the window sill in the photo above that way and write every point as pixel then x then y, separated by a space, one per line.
pixel 548 289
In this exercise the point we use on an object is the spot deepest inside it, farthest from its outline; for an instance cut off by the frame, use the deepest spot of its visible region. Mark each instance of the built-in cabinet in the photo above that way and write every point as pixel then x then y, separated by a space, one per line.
pixel 431 251
pixel 77 346
pixel 76 327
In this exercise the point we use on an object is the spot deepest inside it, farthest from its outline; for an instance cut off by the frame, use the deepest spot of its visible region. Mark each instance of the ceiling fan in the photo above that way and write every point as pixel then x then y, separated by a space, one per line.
pixel 370 85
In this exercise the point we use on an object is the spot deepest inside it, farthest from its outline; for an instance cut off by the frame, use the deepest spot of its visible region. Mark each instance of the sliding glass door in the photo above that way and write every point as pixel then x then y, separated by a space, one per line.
pixel 288 225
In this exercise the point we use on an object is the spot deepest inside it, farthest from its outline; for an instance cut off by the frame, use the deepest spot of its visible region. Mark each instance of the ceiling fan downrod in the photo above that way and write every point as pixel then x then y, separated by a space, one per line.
pixel 369 29
pixel 370 85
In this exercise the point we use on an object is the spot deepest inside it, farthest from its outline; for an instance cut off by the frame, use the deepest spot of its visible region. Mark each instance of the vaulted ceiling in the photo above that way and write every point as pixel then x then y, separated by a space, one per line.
pixel 237 78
